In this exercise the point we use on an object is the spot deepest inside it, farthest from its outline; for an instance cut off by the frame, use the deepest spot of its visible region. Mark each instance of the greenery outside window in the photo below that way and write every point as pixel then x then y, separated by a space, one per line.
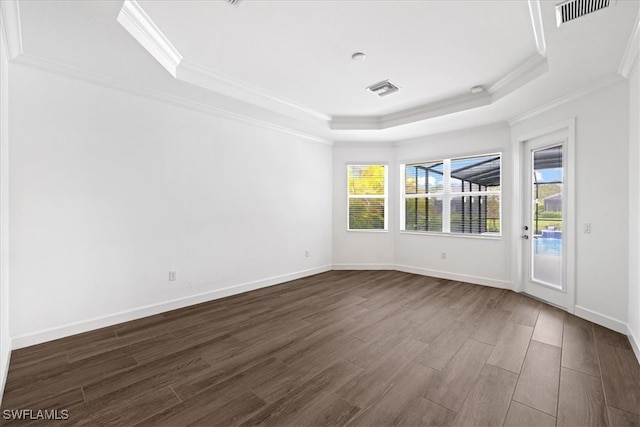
pixel 454 196
pixel 367 197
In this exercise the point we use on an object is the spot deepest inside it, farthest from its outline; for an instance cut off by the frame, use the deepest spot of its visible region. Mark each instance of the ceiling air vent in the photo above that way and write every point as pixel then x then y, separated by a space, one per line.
pixel 234 2
pixel 572 9
pixel 383 88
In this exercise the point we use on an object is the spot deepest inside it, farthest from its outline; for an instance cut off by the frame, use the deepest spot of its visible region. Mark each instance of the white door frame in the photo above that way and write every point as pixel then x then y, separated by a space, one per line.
pixel 568 127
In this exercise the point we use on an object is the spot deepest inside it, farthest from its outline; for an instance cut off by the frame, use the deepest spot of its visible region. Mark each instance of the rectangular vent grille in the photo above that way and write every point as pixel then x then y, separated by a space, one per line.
pixel 234 2
pixel 383 88
pixel 572 9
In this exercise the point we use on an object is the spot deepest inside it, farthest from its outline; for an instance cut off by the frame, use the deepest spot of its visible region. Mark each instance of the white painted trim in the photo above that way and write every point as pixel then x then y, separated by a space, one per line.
pixel 494 283
pixel 142 28
pixel 150 310
pixel 532 68
pixel 439 108
pixel 580 93
pixel 635 342
pixel 207 78
pixel 454 104
pixel 461 133
pixel 364 144
pixel 485 281
pixel 601 319
pixel 363 266
pixel 524 73
pixel 538 26
pixel 571 232
pixel 10 17
pixel 631 55
pixel 355 122
pixel 136 21
pixel 516 207
pixel 132 89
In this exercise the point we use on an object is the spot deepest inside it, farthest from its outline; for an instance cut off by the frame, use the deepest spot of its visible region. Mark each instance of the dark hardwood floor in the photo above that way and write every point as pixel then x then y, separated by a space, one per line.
pixel 344 347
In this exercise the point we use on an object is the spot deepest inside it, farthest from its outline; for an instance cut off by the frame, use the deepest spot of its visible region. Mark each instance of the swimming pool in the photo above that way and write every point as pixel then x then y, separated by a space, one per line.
pixel 547 246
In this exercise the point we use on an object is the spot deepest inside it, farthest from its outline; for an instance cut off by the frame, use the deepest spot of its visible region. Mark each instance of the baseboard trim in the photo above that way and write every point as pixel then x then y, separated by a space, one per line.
pixel 601 319
pixel 363 266
pixel 494 283
pixel 635 342
pixel 150 310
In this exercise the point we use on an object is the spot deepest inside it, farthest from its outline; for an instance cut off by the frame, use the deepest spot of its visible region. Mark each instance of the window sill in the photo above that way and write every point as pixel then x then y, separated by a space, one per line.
pixel 456 235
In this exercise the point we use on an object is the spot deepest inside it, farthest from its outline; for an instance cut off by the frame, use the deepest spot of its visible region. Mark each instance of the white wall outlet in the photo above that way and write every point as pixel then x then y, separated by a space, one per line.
pixel 173 275
pixel 586 228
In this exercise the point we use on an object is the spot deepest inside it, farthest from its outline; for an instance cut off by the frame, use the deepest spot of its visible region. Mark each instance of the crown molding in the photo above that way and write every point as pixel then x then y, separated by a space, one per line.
pixel 524 73
pixel 580 93
pixel 439 108
pixel 196 74
pixel 462 132
pixel 631 55
pixel 355 123
pixel 443 107
pixel 136 21
pixel 10 13
pixel 538 26
pixel 147 93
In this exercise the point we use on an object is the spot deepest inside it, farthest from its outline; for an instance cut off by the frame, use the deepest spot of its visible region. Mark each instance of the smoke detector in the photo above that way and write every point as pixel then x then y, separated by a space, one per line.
pixel 573 9
pixel 383 88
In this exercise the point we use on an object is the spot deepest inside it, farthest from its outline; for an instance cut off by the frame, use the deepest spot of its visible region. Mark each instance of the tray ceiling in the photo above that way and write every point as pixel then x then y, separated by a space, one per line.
pixel 288 63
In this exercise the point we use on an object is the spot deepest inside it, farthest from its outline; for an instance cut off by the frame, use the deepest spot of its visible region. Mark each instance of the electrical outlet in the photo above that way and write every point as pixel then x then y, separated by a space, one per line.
pixel 586 227
pixel 306 254
pixel 173 275
pixel 443 255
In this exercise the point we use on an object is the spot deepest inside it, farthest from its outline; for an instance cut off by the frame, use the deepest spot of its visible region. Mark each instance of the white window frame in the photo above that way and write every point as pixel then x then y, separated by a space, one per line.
pixel 447 196
pixel 361 196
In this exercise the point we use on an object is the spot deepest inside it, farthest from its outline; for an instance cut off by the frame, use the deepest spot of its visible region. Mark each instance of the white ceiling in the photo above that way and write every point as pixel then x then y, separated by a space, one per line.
pixel 289 63
pixel 301 50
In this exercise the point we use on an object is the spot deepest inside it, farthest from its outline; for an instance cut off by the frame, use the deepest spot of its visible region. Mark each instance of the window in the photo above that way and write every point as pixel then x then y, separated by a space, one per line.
pixel 367 196
pixel 457 196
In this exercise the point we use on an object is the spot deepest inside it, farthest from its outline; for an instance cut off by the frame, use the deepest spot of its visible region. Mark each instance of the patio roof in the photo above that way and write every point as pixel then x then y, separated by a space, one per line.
pixel 484 171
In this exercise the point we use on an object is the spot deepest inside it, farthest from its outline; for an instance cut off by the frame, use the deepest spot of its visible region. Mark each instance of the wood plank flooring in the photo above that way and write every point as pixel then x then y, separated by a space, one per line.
pixel 340 348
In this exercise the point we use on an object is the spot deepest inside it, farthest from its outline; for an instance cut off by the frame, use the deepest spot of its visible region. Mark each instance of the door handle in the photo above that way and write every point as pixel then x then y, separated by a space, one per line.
pixel 524 236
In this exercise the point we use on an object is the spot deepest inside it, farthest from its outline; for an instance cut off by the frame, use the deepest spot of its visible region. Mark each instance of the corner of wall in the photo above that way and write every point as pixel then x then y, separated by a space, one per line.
pixel 5 339
pixel 633 308
pixel 635 342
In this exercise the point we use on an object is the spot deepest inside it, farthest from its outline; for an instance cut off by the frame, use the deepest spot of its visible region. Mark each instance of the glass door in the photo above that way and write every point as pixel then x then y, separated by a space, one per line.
pixel 545 221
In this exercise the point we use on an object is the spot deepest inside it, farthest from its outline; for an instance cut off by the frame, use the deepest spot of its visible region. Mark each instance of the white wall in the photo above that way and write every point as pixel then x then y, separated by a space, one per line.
pixel 5 340
pixel 110 191
pixel 602 183
pixel 473 259
pixel 634 210
pixel 361 249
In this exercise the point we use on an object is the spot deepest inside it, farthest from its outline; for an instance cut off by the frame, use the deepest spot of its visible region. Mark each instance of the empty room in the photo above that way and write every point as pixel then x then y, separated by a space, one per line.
pixel 320 212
